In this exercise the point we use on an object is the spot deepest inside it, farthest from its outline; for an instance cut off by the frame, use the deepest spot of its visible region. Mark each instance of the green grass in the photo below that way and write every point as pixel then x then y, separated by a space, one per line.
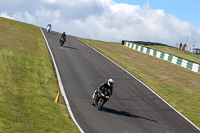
pixel 177 85
pixel 28 86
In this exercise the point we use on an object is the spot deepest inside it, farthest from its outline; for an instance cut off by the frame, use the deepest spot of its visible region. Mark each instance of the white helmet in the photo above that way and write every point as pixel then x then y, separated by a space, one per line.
pixel 110 82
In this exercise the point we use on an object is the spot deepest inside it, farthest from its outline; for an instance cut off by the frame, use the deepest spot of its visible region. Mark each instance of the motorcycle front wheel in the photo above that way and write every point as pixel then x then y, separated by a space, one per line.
pixel 93 99
pixel 61 42
pixel 100 103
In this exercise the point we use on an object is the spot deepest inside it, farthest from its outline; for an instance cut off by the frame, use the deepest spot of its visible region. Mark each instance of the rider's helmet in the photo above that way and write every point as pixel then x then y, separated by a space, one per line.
pixel 110 82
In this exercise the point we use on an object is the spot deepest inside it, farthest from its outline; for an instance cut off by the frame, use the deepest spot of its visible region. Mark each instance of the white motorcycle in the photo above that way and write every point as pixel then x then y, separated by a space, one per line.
pixel 48 28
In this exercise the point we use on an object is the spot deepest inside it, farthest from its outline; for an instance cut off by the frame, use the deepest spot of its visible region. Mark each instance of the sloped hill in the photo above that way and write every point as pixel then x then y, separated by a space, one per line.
pixel 28 86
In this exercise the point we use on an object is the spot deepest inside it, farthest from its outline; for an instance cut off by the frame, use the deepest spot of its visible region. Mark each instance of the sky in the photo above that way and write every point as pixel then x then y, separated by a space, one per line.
pixel 164 21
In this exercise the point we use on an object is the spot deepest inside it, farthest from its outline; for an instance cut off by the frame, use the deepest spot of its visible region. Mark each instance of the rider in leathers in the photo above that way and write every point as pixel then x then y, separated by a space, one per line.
pixel 49 25
pixel 63 35
pixel 108 85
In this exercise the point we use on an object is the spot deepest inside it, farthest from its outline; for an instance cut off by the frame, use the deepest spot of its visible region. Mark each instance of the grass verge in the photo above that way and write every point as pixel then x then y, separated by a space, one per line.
pixel 28 86
pixel 177 85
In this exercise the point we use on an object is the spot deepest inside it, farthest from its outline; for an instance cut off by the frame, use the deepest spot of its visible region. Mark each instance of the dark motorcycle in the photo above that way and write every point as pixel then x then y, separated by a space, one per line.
pixel 99 98
pixel 62 41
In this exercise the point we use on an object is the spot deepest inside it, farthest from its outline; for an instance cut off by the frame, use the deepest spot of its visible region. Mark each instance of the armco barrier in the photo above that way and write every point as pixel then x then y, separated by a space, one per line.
pixel 165 56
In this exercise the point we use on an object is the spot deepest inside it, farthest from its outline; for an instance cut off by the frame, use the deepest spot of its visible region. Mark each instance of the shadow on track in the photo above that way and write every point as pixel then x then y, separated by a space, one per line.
pixel 68 47
pixel 124 113
pixel 54 33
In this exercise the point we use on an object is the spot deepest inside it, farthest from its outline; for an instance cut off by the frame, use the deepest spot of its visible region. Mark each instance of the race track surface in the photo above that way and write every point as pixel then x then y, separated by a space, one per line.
pixel 132 108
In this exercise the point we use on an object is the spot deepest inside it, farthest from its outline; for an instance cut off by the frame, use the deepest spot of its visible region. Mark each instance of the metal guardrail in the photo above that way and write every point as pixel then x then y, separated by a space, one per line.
pixel 187 50
pixel 165 56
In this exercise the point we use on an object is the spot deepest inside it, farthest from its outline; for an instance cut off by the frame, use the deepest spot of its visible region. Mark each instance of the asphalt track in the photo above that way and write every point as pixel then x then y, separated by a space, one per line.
pixel 133 108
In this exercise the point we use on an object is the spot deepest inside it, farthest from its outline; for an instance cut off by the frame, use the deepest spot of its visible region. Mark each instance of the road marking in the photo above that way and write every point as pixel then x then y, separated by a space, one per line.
pixel 143 84
pixel 61 85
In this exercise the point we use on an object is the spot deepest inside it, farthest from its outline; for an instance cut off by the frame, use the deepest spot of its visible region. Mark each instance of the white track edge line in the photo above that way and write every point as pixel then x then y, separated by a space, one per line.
pixel 61 85
pixel 143 84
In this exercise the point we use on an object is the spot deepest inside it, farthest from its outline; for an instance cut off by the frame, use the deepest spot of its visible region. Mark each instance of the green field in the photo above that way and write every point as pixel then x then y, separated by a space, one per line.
pixel 177 85
pixel 28 85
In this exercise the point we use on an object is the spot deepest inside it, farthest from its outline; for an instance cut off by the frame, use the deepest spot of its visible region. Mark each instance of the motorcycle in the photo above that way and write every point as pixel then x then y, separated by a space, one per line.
pixel 48 28
pixel 99 98
pixel 62 41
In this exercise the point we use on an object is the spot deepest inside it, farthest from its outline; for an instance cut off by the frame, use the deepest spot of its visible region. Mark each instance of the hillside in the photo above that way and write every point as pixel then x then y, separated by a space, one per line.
pixel 28 85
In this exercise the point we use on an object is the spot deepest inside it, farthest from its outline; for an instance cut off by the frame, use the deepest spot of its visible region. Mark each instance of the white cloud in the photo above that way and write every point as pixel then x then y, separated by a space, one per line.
pixel 105 20
pixel 30 18
pixel 5 15
pixel 51 1
pixel 124 8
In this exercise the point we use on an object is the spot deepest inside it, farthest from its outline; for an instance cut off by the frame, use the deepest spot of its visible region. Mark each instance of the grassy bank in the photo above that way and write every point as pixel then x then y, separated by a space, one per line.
pixel 28 86
pixel 177 85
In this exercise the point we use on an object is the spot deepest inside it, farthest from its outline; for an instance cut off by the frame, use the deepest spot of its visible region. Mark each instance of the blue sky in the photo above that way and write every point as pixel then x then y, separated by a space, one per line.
pixel 186 10
pixel 165 21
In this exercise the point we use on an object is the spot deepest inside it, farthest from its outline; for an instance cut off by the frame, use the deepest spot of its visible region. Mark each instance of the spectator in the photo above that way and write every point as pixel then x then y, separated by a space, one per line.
pixel 180 46
pixel 184 47
pixel 176 45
